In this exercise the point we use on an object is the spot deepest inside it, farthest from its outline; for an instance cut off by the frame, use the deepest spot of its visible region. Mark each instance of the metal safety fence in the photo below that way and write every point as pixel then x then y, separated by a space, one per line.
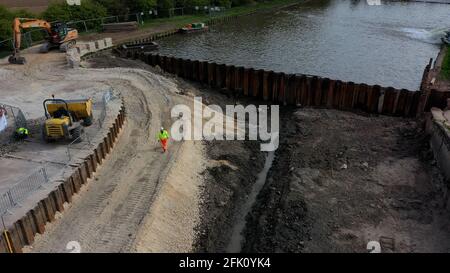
pixel 11 118
pixel 103 105
pixel 29 38
pixel 84 137
pixel 19 192
pixel 13 196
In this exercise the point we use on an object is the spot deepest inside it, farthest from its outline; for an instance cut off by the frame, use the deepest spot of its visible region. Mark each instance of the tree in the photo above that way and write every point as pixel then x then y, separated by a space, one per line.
pixel 61 11
pixel 199 3
pixel 6 19
pixel 223 3
pixel 166 4
pixel 144 5
pixel 114 7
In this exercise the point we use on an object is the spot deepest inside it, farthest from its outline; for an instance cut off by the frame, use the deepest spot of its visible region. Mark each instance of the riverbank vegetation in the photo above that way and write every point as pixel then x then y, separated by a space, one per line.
pixel 445 71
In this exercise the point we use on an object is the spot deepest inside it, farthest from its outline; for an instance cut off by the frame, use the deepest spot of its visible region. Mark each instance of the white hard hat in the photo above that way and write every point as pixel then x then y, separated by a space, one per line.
pixel 162 128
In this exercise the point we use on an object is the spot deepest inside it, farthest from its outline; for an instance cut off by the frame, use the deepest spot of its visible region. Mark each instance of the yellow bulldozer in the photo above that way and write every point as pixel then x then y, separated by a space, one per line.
pixel 65 119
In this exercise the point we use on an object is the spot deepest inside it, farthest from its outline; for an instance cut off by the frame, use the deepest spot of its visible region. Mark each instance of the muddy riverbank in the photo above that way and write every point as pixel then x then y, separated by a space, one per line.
pixel 341 179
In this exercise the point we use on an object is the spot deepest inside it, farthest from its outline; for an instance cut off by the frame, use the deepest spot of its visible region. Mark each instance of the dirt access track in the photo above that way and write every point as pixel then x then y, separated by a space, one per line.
pixel 106 216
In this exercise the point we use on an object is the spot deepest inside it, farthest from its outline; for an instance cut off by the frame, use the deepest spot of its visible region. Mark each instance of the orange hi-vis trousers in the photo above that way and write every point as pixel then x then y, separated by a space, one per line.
pixel 164 144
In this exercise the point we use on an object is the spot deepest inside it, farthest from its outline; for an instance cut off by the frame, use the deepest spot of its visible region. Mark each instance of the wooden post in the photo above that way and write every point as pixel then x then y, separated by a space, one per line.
pixel 246 81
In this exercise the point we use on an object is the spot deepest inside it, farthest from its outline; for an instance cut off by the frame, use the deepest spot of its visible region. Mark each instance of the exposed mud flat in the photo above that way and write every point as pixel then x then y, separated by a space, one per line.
pixel 341 179
pixel 225 189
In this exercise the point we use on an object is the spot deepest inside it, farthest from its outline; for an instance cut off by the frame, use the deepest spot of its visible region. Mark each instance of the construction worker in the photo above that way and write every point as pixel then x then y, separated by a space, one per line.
pixel 163 137
pixel 21 133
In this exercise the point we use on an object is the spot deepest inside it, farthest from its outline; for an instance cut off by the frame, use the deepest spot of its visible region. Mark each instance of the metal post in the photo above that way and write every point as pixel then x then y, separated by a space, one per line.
pixel 14 116
pixel 44 173
pixel 3 222
pixel 68 153
pixel 11 200
pixel 30 40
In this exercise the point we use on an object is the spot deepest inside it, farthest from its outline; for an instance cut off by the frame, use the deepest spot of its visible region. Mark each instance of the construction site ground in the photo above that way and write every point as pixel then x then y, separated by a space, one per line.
pixel 338 180
pixel 26 87
pixel 107 214
pixel 141 199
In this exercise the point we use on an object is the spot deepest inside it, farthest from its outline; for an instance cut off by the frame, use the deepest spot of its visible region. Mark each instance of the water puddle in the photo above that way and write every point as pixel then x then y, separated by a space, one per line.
pixel 237 237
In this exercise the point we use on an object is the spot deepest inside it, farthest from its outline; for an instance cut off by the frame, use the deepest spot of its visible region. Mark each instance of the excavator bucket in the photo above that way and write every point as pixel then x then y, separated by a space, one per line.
pixel 14 59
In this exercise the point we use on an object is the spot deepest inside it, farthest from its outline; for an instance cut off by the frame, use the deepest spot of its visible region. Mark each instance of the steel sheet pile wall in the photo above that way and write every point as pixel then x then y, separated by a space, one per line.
pixel 22 232
pixel 290 89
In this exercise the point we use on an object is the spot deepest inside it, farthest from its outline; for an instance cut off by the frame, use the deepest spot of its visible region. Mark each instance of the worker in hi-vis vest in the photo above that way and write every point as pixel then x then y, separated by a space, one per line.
pixel 21 133
pixel 163 137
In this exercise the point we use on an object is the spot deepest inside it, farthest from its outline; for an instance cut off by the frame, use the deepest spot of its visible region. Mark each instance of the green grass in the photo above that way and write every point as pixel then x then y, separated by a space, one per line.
pixel 445 70
pixel 179 21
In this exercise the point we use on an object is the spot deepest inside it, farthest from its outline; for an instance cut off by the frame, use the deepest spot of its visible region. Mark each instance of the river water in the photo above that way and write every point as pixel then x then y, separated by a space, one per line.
pixel 348 40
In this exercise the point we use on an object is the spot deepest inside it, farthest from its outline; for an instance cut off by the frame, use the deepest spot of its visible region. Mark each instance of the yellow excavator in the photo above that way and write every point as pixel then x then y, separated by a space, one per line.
pixel 58 36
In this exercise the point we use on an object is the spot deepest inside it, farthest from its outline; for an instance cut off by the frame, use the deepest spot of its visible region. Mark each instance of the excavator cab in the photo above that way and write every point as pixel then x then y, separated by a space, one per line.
pixel 60 36
pixel 65 118
pixel 58 32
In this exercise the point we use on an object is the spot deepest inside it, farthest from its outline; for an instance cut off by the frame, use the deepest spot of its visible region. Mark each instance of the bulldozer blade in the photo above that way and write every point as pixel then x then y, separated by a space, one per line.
pixel 17 60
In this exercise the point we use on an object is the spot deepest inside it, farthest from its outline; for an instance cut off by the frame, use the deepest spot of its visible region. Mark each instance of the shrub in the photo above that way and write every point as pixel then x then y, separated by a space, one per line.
pixel 223 3
pixel 88 9
pixel 61 11
pixel 445 70
pixel 199 3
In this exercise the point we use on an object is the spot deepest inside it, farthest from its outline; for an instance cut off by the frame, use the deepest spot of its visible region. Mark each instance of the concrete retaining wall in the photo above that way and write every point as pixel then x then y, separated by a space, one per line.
pixel 74 55
pixel 22 232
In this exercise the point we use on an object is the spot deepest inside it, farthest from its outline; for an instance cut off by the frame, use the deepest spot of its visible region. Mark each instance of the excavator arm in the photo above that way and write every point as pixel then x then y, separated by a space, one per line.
pixel 18 25
pixel 26 23
pixel 58 36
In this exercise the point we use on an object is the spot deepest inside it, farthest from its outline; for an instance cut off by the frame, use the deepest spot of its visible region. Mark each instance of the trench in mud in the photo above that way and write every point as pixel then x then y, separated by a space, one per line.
pixel 237 237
